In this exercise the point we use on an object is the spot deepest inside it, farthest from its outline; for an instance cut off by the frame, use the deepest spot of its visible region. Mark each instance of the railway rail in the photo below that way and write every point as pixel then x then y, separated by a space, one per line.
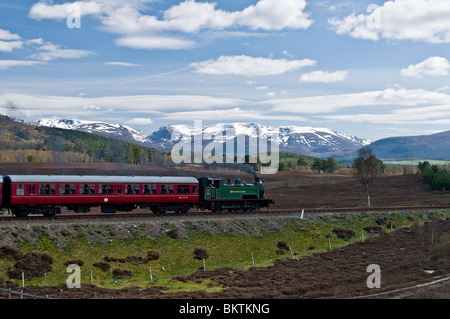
pixel 197 213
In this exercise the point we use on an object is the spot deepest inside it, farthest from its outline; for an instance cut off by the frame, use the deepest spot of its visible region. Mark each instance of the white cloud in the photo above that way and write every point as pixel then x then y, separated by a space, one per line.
pixel 155 43
pixel 7 35
pixel 189 17
pixel 249 66
pixel 234 114
pixel 333 103
pixel 139 121
pixel 324 77
pixel 7 64
pixel 9 46
pixel 48 10
pixel 9 41
pixel 39 105
pixel 417 20
pixel 121 64
pixel 433 66
pixel 49 51
pixel 416 116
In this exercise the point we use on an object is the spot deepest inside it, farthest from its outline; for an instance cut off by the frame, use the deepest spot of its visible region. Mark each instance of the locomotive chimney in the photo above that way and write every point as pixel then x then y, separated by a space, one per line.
pixel 259 184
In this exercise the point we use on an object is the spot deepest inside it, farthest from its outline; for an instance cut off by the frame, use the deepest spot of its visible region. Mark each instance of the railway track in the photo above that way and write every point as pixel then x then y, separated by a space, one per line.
pixel 196 213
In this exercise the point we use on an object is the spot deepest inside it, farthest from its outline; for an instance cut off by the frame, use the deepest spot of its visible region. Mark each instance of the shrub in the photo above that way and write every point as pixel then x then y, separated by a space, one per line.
pixel 33 264
pixel 200 253
pixel 102 265
pixel 153 255
pixel 121 273
pixel 282 245
pixel 10 252
pixel 78 262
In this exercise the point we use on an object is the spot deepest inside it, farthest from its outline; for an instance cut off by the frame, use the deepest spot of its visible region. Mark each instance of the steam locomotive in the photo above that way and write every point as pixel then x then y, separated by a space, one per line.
pixel 47 194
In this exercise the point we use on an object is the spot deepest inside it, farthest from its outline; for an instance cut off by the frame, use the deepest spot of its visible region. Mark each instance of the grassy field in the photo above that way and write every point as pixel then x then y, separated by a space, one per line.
pixel 229 243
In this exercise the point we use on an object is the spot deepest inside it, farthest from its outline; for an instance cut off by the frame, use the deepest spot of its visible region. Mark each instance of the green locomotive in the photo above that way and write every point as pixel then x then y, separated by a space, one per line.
pixel 219 196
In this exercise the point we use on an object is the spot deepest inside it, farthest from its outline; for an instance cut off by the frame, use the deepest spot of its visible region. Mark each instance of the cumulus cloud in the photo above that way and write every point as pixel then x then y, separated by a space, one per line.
pixel 433 66
pixel 417 20
pixel 188 17
pixel 249 66
pixel 324 77
pixel 9 41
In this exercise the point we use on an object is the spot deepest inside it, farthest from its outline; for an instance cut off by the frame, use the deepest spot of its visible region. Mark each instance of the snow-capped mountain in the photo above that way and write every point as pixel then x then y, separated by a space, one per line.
pixel 118 131
pixel 314 141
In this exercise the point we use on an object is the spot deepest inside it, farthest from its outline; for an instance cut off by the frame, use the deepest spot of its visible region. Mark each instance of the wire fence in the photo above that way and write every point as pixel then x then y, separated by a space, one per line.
pixel 13 294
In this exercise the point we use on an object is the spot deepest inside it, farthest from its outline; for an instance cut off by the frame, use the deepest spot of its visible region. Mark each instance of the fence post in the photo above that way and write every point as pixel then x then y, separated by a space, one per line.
pixel 253 261
pixel 292 255
pixel 150 270
pixel 23 279
pixel 92 278
pixel 204 266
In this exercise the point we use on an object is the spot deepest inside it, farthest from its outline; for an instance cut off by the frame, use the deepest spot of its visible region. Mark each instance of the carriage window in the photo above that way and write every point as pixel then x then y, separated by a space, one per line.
pixel 194 190
pixel 167 189
pixel 87 189
pixel 67 189
pixel 183 189
pixel 106 189
pixel 47 189
pixel 119 189
pixel 31 189
pixel 20 190
pixel 150 189
pixel 132 189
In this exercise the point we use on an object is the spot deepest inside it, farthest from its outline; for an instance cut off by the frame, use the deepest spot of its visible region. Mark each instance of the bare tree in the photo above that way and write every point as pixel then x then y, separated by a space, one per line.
pixel 367 167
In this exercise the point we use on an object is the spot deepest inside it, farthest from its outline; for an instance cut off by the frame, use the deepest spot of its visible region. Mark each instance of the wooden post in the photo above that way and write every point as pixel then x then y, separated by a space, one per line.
pixel 253 261
pixel 329 242
pixel 150 270
pixel 301 216
pixel 362 234
pixel 204 266
pixel 292 255
pixel 92 278
pixel 23 279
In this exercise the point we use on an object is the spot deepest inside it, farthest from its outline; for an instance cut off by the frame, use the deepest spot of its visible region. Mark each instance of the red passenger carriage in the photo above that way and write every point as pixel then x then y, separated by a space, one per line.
pixel 46 194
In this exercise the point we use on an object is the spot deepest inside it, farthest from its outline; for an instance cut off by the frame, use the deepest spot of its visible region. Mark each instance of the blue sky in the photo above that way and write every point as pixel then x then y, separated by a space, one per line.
pixel 373 69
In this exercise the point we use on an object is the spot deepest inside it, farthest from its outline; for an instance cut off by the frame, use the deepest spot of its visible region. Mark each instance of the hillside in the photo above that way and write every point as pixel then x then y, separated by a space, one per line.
pixel 21 142
pixel 433 147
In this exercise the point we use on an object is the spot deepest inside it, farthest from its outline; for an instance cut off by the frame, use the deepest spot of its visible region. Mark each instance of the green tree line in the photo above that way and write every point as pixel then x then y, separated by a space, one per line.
pixel 439 178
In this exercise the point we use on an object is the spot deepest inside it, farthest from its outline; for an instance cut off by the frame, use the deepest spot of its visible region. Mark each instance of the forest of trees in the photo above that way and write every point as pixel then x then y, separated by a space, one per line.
pixel 25 143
